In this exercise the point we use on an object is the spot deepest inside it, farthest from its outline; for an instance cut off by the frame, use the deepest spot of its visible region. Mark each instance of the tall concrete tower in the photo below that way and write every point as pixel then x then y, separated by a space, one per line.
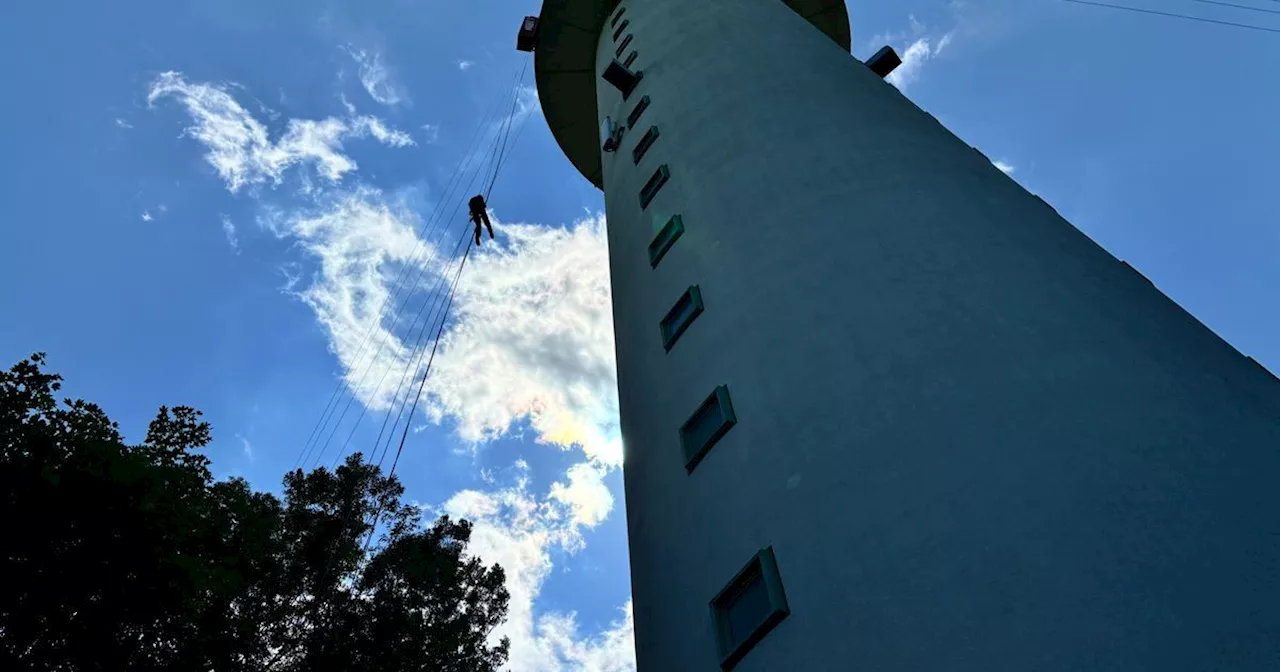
pixel 884 409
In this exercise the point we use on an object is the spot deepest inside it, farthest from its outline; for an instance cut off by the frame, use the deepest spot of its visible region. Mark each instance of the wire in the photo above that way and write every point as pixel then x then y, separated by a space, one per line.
pixel 331 405
pixel 419 347
pixel 412 353
pixel 515 99
pixel 1228 4
pixel 405 378
pixel 452 290
pixel 503 162
pixel 1176 16
pixel 392 472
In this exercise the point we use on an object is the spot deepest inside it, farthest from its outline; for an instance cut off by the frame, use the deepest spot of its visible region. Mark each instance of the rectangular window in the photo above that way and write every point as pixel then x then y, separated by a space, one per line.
pixel 631 58
pixel 713 419
pixel 687 309
pixel 665 238
pixel 617 33
pixel 623 47
pixel 651 188
pixel 618 15
pixel 641 106
pixel 644 144
pixel 748 608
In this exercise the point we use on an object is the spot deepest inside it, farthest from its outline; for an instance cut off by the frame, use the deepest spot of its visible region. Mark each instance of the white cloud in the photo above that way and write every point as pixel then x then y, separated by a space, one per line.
pixel 431 132
pixel 464 64
pixel 229 230
pixel 361 241
pixel 519 532
pixel 914 58
pixel 123 123
pixel 246 447
pixel 146 216
pixel 1006 168
pixel 533 338
pixel 921 48
pixel 375 77
pixel 239 147
pixel 586 495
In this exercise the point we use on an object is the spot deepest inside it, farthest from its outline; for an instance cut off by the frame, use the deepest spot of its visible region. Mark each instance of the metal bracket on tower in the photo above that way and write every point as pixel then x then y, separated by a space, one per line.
pixel 621 78
pixel 884 61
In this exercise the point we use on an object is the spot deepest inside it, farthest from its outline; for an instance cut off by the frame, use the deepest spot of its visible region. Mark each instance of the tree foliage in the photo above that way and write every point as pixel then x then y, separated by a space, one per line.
pixel 132 557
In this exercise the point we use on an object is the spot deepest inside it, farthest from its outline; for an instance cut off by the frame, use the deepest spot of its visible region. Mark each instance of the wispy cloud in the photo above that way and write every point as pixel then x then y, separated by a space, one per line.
pixel 146 216
pixel 1007 168
pixel 241 151
pixel 916 55
pixel 375 77
pixel 229 230
pixel 245 447
pixel 361 241
pixel 519 530
pixel 431 133
pixel 123 123
pixel 921 45
pixel 533 339
pixel 464 64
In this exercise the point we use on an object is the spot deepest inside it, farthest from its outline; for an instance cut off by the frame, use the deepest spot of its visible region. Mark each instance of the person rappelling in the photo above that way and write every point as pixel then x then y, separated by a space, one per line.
pixel 479 215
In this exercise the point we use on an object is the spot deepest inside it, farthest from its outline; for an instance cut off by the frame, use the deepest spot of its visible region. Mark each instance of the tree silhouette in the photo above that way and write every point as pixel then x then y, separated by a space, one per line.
pixel 120 557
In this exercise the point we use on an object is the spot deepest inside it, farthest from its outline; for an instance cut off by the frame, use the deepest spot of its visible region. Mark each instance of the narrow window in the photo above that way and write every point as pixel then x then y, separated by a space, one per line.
pixel 644 144
pixel 618 15
pixel 713 419
pixel 660 177
pixel 681 315
pixel 641 106
pixel 665 238
pixel 631 58
pixel 618 33
pixel 748 608
pixel 623 47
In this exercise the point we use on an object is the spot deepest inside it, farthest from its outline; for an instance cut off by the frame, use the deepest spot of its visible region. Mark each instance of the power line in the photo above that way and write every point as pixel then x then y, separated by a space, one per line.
pixel 476 171
pixel 395 462
pixel 1229 4
pixel 452 290
pixel 1176 16
pixel 419 351
pixel 510 120
pixel 331 405
pixel 498 156
pixel 419 345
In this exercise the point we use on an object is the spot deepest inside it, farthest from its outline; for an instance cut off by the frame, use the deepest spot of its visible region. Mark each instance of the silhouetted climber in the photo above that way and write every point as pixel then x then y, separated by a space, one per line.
pixel 479 214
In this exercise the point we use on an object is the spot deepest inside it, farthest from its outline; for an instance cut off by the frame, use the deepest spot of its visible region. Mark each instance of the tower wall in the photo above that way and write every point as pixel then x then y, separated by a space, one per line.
pixel 974 439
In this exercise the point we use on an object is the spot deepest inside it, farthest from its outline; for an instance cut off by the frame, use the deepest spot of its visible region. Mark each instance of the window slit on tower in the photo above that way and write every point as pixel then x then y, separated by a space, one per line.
pixel 644 144
pixel 650 189
pixel 748 608
pixel 631 58
pixel 623 47
pixel 687 309
pixel 641 106
pixel 713 419
pixel 664 239
pixel 618 33
pixel 617 15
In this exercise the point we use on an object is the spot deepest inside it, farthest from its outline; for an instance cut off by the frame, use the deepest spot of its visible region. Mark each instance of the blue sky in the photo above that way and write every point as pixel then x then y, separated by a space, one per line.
pixel 205 203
